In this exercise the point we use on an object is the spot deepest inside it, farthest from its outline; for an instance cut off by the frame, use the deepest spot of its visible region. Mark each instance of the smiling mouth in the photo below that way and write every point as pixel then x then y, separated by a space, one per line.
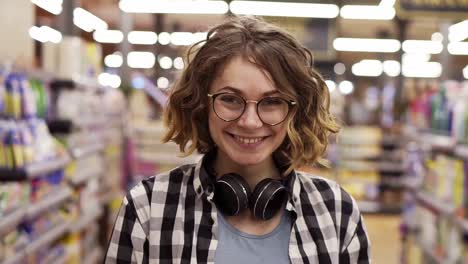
pixel 247 140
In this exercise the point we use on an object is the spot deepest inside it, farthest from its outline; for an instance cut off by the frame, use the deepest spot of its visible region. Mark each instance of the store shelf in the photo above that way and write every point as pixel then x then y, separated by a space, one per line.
pixel 435 205
pixel 83 175
pixel 372 207
pixel 94 257
pixel 85 221
pixel 11 220
pixel 38 169
pixel 80 152
pixel 50 201
pixel 60 260
pixel 437 142
pixel 461 151
pixel 17 259
pixel 47 238
pixel 431 254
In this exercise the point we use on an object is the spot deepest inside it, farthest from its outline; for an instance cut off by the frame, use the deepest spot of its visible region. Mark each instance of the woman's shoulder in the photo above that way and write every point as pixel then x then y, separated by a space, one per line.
pixel 328 192
pixel 154 189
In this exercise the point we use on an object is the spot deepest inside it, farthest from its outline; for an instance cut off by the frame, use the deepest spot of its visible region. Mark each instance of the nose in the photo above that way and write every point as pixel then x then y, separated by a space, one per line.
pixel 250 118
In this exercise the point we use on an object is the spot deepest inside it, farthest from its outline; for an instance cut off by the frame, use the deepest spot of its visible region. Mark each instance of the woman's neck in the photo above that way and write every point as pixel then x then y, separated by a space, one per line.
pixel 253 174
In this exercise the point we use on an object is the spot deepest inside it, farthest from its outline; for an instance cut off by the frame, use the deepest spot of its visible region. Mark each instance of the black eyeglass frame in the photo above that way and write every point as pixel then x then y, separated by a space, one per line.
pixel 290 103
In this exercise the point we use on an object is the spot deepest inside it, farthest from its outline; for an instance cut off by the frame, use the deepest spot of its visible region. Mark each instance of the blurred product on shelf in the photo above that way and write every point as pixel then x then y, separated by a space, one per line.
pixel 52 194
pixel 435 218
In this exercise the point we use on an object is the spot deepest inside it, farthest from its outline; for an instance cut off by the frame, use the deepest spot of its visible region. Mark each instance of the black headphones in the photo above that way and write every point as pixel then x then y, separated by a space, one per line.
pixel 232 195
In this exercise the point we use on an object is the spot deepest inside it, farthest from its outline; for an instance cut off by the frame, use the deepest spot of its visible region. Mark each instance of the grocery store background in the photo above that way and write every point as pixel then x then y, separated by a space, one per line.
pixel 83 85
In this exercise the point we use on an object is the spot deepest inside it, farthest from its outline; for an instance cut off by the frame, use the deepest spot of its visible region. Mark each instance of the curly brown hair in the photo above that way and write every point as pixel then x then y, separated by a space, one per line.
pixel 290 66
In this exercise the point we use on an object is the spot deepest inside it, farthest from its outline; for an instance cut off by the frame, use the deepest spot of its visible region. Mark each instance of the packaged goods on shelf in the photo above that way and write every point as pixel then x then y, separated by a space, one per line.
pixel 436 136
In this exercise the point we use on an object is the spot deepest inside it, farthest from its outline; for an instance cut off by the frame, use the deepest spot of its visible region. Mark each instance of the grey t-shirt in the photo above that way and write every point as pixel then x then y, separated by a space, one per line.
pixel 236 247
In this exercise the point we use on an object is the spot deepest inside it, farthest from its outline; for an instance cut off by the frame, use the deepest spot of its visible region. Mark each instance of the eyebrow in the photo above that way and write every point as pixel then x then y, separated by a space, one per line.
pixel 233 89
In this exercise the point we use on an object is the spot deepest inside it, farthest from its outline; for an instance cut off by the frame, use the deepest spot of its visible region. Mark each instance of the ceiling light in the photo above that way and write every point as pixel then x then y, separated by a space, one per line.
pixel 111 80
pixel 51 6
pixel 331 85
pixel 459 31
pixel 366 45
pixel 392 68
pixel 437 36
pixel 458 48
pixel 346 87
pixel 370 68
pixel 465 72
pixel 87 21
pixel 108 36
pixel 164 38
pixel 174 7
pixel 142 37
pixel 288 9
pixel 181 38
pixel 422 46
pixel 36 33
pixel 162 83
pixel 178 63
pixel 45 34
pixel 113 60
pixel 141 59
pixel 369 12
pixel 387 3
pixel 409 58
pixel 165 62
pixel 422 70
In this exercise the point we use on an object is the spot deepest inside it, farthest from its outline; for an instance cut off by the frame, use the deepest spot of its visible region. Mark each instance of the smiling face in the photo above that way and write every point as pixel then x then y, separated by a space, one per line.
pixel 246 141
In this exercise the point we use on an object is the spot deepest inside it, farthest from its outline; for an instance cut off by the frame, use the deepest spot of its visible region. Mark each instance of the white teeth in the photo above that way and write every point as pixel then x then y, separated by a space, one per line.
pixel 248 140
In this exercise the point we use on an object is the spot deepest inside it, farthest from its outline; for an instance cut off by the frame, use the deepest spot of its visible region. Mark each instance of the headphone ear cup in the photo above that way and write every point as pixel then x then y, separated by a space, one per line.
pixel 232 194
pixel 267 198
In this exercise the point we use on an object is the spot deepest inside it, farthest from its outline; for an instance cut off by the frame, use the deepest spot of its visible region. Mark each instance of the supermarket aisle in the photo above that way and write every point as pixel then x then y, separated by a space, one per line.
pixel 385 238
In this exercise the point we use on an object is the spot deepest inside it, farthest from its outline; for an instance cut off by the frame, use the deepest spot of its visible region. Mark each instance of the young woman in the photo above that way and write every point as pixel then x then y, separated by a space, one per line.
pixel 250 100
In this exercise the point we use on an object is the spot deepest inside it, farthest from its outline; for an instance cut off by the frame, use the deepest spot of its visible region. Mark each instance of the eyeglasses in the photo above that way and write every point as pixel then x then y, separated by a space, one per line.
pixel 271 110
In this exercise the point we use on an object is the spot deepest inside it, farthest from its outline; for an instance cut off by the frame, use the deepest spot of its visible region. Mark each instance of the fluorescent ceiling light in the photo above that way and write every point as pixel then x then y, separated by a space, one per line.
pixel 142 37
pixel 45 34
pixel 371 68
pixel 108 36
pixel 437 36
pixel 366 45
pixel 422 46
pixel 164 38
pixel 346 87
pixel 87 21
pixel 459 31
pixel 179 63
pixel 165 62
pixel 458 48
pixel 369 12
pixel 174 7
pixel 111 80
pixel 409 58
pixel 465 72
pixel 387 3
pixel 331 85
pixel 162 83
pixel 392 68
pixel 181 38
pixel 422 70
pixel 141 59
pixel 113 60
pixel 262 8
pixel 51 6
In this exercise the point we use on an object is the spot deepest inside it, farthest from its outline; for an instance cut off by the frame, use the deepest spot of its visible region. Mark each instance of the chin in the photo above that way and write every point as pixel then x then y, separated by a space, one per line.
pixel 248 159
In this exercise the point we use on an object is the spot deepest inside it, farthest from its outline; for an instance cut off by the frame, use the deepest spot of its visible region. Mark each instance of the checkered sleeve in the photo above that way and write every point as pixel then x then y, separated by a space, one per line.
pixel 128 237
pixel 355 243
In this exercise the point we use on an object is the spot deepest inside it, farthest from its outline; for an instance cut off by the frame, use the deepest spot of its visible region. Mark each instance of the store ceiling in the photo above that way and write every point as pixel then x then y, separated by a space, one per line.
pixel 420 28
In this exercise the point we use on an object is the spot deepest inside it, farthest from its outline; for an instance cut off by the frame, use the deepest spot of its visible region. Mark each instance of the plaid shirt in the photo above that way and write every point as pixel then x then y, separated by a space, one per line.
pixel 171 218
